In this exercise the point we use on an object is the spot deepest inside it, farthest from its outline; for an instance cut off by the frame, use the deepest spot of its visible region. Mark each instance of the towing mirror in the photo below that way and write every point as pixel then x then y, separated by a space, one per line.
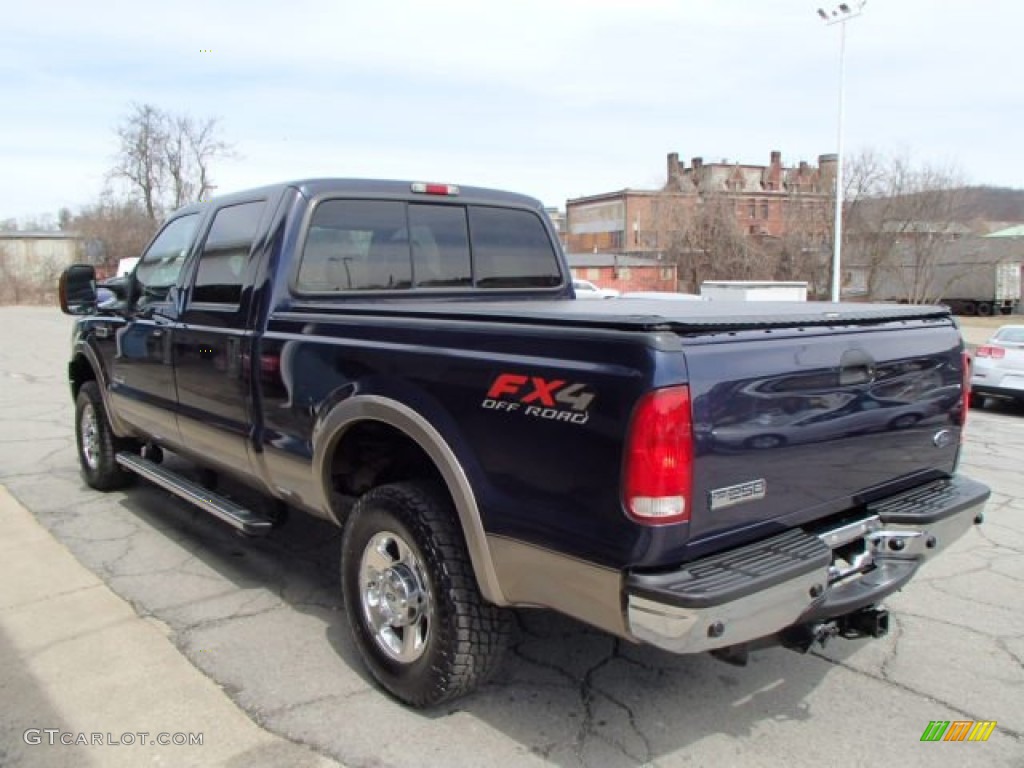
pixel 77 290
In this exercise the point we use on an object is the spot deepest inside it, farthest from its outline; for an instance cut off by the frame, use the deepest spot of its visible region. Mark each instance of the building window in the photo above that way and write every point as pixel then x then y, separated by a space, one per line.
pixel 752 210
pixel 764 210
pixel 617 239
pixel 667 273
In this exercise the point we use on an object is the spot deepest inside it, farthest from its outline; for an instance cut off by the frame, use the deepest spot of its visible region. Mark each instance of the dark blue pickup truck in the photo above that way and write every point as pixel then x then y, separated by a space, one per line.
pixel 408 361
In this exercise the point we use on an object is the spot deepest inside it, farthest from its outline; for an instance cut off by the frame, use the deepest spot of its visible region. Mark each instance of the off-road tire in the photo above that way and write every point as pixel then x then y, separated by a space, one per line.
pixel 465 635
pixel 96 442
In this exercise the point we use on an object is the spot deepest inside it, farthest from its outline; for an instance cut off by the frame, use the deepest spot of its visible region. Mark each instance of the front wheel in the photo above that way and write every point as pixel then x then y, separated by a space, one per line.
pixel 97 443
pixel 416 613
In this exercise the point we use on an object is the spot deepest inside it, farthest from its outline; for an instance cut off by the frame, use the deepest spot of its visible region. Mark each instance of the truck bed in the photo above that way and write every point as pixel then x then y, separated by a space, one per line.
pixel 643 314
pixel 770 405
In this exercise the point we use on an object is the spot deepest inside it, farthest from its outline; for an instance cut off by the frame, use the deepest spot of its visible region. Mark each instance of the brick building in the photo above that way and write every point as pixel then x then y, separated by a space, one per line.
pixel 623 272
pixel 765 199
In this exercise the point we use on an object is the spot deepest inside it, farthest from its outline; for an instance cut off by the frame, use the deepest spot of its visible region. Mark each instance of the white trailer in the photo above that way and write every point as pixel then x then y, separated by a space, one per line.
pixel 987 289
pixel 968 287
pixel 754 290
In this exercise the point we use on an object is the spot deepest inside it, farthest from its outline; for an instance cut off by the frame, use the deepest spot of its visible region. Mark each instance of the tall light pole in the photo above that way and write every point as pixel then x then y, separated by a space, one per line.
pixel 841 14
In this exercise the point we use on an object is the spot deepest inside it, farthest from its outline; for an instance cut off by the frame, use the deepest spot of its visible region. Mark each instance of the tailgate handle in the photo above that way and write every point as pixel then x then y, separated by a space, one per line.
pixel 856 367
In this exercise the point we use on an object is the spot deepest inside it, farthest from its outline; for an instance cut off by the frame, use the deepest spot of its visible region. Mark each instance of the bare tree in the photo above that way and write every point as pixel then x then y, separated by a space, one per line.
pixel 176 158
pixel 898 219
pixel 703 237
pixel 11 279
pixel 205 147
pixel 164 159
pixel 804 249
pixel 141 157
pixel 113 230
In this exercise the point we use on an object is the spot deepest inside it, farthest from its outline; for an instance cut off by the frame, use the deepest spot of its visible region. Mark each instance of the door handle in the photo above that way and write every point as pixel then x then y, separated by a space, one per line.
pixel 102 331
pixel 157 333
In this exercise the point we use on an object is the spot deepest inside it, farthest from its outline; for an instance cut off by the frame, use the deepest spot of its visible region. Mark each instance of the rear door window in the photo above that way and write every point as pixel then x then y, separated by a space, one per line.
pixel 225 254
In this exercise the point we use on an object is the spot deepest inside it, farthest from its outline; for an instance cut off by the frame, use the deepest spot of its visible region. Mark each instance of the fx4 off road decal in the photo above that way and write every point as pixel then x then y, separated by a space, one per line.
pixel 551 399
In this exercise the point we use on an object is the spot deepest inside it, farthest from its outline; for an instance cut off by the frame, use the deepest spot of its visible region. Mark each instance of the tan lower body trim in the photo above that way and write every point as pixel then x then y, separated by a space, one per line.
pixel 534 576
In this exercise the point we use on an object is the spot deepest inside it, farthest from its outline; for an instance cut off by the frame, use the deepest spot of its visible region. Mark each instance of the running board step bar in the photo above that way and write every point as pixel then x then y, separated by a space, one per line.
pixel 239 517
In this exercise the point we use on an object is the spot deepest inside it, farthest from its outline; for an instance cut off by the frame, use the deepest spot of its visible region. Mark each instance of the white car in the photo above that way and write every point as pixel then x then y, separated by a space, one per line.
pixel 998 367
pixel 587 290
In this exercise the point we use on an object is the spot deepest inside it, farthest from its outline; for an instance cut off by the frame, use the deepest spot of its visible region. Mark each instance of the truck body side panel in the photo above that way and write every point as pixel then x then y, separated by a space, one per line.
pixel 544 470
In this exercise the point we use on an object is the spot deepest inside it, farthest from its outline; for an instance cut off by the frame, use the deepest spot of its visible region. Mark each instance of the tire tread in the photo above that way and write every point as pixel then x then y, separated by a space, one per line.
pixel 109 475
pixel 472 633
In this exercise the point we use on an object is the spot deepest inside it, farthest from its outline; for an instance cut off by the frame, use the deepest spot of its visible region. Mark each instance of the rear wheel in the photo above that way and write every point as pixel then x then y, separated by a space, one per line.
pixel 97 443
pixel 984 309
pixel 417 616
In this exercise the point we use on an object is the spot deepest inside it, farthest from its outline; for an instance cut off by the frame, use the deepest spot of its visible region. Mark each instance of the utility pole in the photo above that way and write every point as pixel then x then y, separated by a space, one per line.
pixel 841 14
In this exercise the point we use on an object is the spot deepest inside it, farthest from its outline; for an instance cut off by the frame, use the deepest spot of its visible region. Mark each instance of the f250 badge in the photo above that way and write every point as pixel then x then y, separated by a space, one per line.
pixel 551 399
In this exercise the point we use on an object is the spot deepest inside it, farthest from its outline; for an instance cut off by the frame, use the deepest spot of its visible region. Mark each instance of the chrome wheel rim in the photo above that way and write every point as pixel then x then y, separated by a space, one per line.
pixel 90 431
pixel 396 601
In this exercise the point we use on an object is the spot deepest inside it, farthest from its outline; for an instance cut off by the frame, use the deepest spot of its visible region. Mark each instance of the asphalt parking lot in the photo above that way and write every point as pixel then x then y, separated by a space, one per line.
pixel 262 619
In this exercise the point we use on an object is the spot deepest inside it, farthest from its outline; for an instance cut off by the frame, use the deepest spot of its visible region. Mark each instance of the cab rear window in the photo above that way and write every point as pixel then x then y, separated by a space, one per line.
pixel 384 245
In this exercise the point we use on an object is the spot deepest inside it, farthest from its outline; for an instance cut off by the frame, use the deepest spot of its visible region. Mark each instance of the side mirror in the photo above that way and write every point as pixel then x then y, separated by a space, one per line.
pixel 77 290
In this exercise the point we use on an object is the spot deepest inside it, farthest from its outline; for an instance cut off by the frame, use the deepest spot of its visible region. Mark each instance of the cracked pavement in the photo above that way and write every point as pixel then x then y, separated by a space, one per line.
pixel 262 618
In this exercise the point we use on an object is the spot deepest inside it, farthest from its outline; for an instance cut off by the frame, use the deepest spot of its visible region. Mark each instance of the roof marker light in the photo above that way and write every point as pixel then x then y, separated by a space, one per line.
pixel 449 190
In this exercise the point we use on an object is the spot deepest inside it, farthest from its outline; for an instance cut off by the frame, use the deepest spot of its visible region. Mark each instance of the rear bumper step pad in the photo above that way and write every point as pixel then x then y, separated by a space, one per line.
pixel 759 589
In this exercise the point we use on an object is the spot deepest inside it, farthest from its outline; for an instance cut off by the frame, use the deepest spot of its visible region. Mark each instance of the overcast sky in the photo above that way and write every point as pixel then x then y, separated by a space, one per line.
pixel 554 98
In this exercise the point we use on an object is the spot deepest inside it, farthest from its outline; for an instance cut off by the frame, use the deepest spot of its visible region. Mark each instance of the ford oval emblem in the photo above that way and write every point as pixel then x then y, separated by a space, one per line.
pixel 943 438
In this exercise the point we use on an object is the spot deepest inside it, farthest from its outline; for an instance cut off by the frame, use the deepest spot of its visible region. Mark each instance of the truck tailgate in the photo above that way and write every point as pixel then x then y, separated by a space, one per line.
pixel 793 426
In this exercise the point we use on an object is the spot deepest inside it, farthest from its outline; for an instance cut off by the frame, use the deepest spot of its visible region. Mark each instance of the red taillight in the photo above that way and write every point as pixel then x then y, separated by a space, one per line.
pixel 450 190
pixel 996 353
pixel 659 458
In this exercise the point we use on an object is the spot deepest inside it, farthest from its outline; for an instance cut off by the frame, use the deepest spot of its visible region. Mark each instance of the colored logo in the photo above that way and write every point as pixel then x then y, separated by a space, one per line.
pixel 958 730
pixel 551 399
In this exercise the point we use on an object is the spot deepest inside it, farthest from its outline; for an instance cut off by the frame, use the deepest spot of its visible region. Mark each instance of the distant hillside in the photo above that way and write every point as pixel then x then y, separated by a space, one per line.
pixel 981 209
pixel 991 204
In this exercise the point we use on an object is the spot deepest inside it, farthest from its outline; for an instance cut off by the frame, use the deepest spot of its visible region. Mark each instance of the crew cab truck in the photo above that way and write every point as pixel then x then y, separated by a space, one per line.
pixel 408 361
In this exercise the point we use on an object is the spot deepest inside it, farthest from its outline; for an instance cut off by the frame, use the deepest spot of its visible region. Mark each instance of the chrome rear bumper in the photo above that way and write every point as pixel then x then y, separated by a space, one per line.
pixel 800 577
